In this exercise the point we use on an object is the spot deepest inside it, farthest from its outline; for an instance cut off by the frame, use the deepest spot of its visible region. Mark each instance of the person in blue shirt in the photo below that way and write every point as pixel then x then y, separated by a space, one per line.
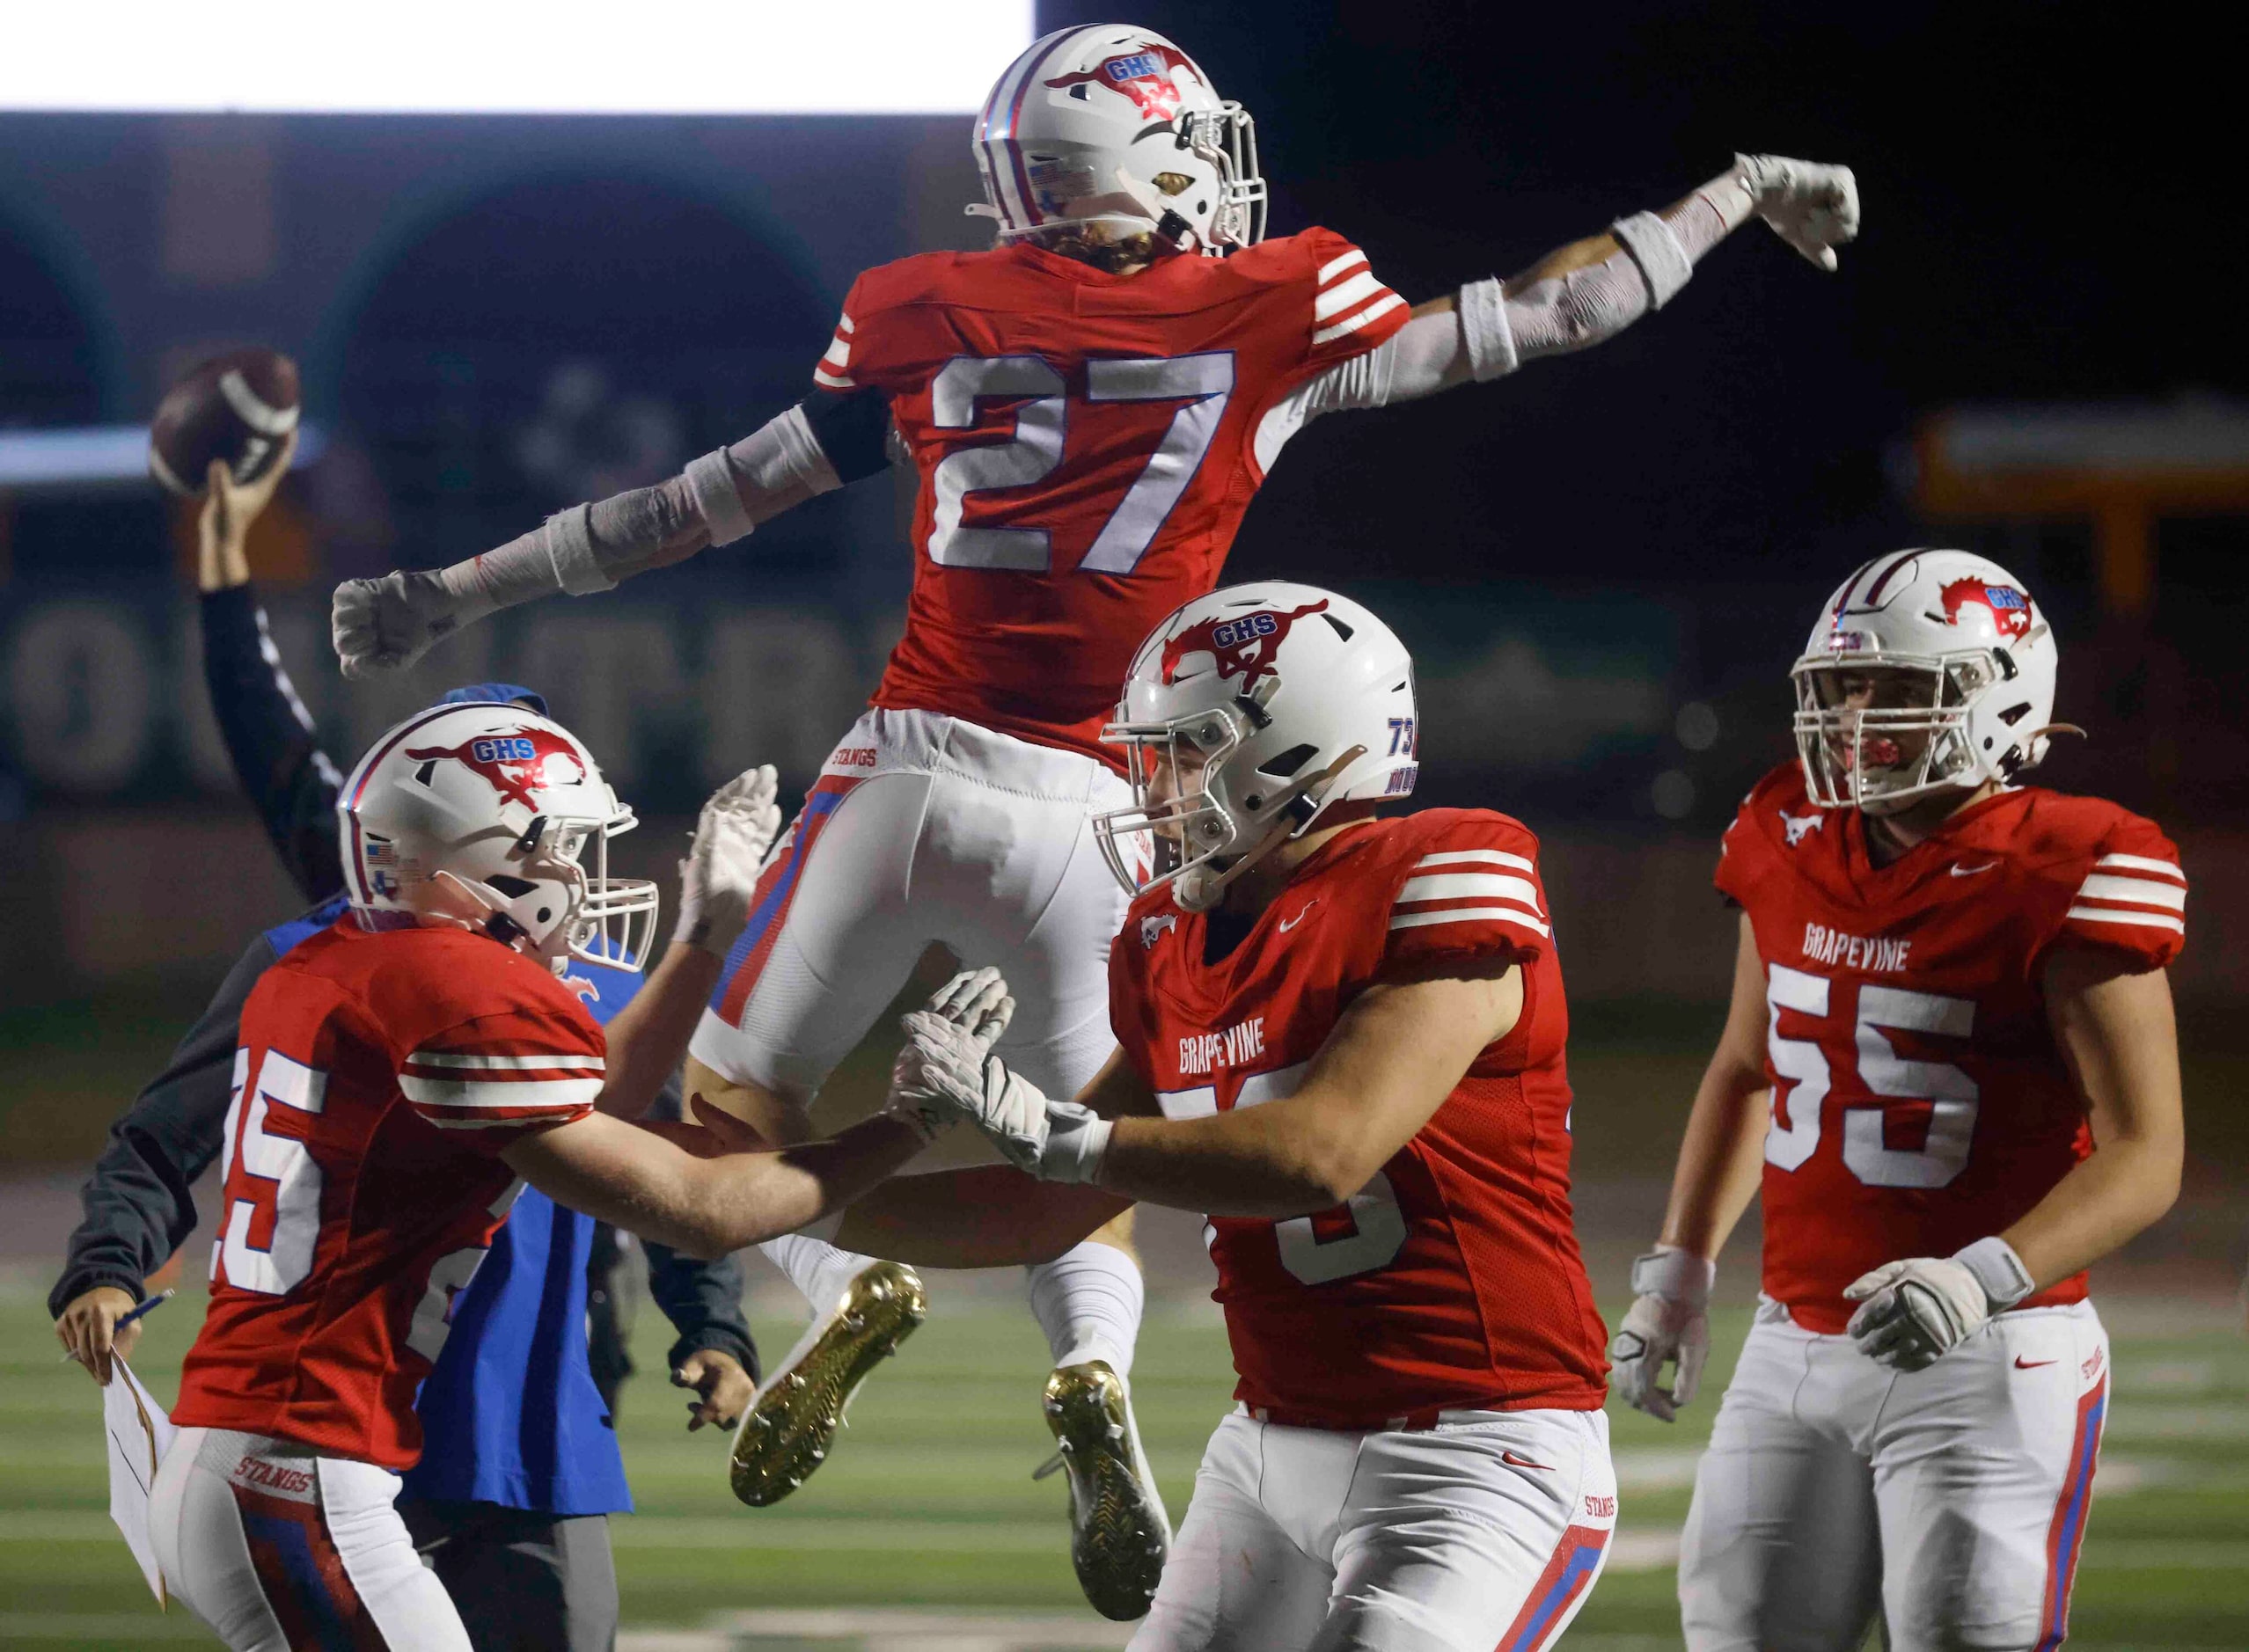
pixel 520 1468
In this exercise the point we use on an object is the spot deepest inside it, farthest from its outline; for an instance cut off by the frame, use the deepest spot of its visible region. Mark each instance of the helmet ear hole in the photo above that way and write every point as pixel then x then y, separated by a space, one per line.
pixel 2012 715
pixel 514 888
pixel 1289 761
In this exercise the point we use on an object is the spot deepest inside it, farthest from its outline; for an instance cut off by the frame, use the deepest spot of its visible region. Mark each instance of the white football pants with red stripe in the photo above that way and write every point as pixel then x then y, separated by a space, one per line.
pixel 279 1550
pixel 923 828
pixel 1484 1532
pixel 1953 1500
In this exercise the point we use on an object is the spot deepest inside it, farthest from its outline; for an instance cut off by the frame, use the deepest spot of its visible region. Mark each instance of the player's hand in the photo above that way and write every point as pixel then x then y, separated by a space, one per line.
pixel 87 1329
pixel 388 623
pixel 962 1021
pixel 1916 1310
pixel 720 875
pixel 1810 205
pixel 948 1068
pixel 222 527
pixel 1669 1320
pixel 722 1388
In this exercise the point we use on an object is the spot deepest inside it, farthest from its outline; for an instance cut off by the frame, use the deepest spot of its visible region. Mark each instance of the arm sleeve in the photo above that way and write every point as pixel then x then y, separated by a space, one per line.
pixel 138 1205
pixel 1472 892
pixel 2132 899
pixel 269 738
pixel 521 1067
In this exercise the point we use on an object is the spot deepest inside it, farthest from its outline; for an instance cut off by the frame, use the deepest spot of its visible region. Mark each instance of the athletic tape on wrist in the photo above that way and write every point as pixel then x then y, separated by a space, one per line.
pixel 1663 262
pixel 569 546
pixel 1483 328
pixel 712 480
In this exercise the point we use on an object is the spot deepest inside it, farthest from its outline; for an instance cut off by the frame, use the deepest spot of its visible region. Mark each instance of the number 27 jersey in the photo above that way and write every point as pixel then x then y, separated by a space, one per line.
pixel 1086 444
pixel 1920 1101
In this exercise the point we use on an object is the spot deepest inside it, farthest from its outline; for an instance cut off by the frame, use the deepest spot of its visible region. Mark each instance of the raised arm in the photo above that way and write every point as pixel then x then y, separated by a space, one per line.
pixel 817 446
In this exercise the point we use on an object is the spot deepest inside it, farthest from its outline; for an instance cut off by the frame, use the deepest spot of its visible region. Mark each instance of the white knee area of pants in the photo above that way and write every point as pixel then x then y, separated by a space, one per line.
pixel 1088 1301
pixel 820 1270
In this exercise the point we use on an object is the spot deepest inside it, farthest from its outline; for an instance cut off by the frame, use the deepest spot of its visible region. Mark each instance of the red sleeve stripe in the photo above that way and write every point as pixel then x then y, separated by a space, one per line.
pixel 837 357
pixel 504 1095
pixel 1345 294
pixel 2141 863
pixel 1455 885
pixel 1338 264
pixel 2117 915
pixel 1464 856
pixel 479 1060
pixel 448 1119
pixel 1465 914
pixel 2133 891
pixel 1358 318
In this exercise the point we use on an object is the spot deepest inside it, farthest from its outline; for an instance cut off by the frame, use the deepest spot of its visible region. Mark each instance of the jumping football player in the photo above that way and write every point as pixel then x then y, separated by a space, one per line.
pixel 1089 408
pixel 1343 1038
pixel 400 1074
pixel 1953 985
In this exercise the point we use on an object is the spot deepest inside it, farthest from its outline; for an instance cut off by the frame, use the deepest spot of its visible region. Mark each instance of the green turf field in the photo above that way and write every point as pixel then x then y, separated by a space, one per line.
pixel 929 1501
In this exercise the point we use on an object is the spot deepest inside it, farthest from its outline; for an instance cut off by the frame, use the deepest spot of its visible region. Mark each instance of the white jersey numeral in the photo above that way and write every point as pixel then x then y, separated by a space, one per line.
pixel 1804 1066
pixel 1378 1225
pixel 1203 384
pixel 433 1315
pixel 273 1182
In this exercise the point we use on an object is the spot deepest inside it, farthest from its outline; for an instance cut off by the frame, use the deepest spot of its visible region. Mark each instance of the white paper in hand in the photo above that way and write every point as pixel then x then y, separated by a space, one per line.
pixel 140 1433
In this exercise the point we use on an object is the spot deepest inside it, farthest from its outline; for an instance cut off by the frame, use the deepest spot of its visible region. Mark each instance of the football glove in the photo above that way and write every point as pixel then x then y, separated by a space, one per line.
pixel 1916 1310
pixel 1812 206
pixel 388 623
pixel 948 1067
pixel 719 877
pixel 1669 1320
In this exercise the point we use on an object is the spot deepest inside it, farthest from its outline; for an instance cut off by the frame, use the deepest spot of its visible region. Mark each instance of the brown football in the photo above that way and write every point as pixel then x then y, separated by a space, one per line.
pixel 239 407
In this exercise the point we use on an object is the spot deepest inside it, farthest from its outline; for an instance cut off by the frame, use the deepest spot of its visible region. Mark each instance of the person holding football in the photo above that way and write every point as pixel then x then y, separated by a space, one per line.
pixel 1951 985
pixel 1089 407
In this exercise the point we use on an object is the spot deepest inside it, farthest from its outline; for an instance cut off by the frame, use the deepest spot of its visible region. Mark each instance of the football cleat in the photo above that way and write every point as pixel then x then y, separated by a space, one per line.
pixel 1119 1534
pixel 790 1426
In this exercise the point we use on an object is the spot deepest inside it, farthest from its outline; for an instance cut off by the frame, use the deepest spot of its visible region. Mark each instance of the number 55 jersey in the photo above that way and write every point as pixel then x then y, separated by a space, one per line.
pixel 380 1076
pixel 1920 1101
pixel 1452 1281
pixel 1086 443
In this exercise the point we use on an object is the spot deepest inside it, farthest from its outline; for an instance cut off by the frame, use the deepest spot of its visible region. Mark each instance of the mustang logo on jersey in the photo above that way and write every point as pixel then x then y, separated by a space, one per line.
pixel 1797 825
pixel 1243 645
pixel 1201 1052
pixel 513 764
pixel 1151 929
pixel 1144 76
pixel 2009 609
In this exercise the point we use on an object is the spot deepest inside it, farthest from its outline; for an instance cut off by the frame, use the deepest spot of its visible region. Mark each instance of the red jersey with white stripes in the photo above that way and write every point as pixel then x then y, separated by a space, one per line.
pixel 1086 444
pixel 1920 1100
pixel 1453 1279
pixel 379 1077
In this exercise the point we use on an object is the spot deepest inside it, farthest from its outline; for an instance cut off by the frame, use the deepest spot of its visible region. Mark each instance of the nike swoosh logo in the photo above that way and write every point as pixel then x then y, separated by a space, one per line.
pixel 1287 924
pixel 1968 872
pixel 2032 1365
pixel 1515 1460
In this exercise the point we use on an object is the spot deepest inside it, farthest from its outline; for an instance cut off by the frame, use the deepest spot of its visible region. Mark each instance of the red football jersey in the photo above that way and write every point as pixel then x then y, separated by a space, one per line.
pixel 1919 1102
pixel 379 1078
pixel 1452 1280
pixel 1086 443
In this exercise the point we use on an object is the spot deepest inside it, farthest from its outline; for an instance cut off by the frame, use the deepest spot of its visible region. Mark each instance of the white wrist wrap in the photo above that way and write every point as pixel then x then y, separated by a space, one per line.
pixel 1663 262
pixel 569 546
pixel 1668 1271
pixel 2005 1280
pixel 1483 328
pixel 712 480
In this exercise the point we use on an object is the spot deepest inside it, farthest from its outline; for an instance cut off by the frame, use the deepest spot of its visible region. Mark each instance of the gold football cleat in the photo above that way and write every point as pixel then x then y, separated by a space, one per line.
pixel 787 1432
pixel 1120 1532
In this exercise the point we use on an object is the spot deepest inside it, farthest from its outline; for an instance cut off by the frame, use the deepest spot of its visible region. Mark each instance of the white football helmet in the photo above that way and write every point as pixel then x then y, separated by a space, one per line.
pixel 1115 124
pixel 481 816
pixel 1274 701
pixel 1930 670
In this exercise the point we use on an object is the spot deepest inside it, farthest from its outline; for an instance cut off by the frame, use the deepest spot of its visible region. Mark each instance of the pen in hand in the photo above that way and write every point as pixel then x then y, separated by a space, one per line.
pixel 138 1310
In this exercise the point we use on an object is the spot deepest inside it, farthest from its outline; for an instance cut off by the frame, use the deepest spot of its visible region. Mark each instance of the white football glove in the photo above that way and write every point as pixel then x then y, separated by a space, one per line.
pixel 1669 1320
pixel 719 877
pixel 388 623
pixel 1916 1310
pixel 947 1060
pixel 966 1017
pixel 1812 206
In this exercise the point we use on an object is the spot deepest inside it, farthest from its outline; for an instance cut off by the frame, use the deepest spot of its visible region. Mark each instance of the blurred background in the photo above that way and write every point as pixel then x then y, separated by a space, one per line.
pixel 1604 565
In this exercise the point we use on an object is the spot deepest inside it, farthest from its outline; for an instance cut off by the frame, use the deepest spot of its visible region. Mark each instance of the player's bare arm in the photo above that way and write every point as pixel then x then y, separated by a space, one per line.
pixel 1720 1162
pixel 1393 1058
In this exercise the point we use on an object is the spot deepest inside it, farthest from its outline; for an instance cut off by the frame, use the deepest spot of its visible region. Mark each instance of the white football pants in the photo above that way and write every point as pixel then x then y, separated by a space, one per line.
pixel 925 829
pixel 1953 1499
pixel 1484 1532
pixel 276 1548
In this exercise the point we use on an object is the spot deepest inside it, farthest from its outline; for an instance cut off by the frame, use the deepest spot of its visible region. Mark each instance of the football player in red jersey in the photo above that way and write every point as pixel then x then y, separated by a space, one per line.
pixel 1089 407
pixel 1952 986
pixel 400 1076
pixel 1343 1037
